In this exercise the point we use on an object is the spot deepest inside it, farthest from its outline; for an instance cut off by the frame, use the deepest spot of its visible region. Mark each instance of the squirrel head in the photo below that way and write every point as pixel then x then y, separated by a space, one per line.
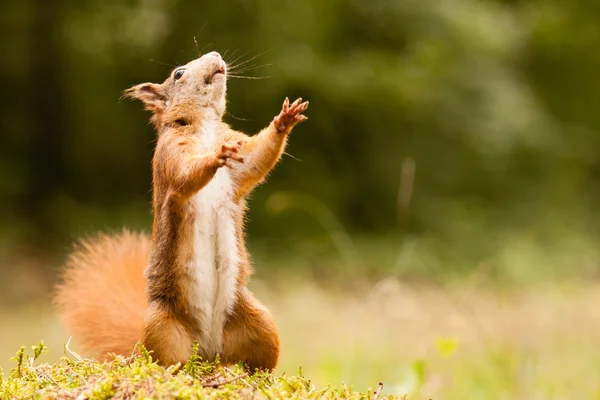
pixel 190 94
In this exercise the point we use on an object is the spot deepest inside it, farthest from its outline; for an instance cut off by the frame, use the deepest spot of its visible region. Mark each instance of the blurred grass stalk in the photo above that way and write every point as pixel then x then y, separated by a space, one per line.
pixel 279 202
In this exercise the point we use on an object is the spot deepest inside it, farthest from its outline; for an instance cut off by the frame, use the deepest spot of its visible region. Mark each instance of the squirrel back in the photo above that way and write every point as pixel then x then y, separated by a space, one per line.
pixel 102 297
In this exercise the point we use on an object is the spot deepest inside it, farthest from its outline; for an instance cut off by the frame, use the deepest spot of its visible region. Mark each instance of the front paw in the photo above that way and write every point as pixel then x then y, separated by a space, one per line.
pixel 290 115
pixel 229 151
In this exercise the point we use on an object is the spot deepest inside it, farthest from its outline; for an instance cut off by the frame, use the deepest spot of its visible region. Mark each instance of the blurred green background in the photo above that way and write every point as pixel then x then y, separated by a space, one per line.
pixel 449 171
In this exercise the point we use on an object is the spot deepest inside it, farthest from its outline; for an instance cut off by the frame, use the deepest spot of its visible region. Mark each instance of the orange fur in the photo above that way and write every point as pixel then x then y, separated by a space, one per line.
pixel 251 335
pixel 101 299
pixel 197 262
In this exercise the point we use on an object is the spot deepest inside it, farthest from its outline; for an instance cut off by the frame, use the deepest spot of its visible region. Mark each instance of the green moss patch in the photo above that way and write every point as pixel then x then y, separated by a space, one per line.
pixel 139 377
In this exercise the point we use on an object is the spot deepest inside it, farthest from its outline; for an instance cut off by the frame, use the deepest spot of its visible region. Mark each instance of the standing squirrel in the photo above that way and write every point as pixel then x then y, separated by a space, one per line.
pixel 188 282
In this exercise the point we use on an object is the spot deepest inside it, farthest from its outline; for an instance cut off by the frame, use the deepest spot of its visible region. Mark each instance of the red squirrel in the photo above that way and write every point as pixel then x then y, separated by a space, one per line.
pixel 188 282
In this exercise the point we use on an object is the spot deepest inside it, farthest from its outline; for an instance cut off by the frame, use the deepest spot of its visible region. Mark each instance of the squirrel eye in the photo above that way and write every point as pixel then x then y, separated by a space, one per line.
pixel 178 74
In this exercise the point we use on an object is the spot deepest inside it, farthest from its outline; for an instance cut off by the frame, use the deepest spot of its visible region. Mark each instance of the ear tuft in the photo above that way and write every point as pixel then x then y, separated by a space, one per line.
pixel 151 94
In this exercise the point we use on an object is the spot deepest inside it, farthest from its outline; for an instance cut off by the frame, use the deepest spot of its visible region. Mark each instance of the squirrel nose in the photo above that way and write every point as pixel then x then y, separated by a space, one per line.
pixel 214 54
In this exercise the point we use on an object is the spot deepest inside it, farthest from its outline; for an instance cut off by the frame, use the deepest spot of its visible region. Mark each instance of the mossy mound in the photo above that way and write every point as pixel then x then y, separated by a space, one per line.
pixel 139 377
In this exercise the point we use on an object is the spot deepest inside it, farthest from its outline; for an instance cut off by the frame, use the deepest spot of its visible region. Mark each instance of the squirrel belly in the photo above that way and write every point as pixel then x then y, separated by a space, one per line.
pixel 213 265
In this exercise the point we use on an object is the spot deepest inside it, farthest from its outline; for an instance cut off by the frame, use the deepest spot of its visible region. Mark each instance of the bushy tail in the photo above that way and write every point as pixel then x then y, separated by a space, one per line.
pixel 101 299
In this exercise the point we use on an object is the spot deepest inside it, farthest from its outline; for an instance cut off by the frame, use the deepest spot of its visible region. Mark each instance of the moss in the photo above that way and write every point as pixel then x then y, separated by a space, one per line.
pixel 139 377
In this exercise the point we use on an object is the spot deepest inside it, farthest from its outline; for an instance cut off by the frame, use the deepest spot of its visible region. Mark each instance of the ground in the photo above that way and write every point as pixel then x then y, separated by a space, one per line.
pixel 138 377
pixel 468 340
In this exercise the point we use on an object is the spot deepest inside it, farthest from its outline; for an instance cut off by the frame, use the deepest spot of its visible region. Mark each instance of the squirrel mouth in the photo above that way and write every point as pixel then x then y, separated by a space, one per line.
pixel 218 73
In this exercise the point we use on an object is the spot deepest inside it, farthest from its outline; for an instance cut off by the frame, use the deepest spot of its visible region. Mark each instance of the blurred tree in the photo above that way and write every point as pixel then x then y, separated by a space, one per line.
pixel 493 100
pixel 46 109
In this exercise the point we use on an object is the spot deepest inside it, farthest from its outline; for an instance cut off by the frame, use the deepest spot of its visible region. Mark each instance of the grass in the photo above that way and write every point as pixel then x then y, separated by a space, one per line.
pixel 139 377
pixel 440 342
pixel 518 321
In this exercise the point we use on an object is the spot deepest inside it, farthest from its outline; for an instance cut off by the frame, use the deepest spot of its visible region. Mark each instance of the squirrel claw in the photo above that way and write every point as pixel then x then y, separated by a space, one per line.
pixel 229 151
pixel 290 115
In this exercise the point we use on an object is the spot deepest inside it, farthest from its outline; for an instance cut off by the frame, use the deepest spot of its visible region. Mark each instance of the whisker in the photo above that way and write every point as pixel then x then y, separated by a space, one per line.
pixel 253 58
pixel 160 62
pixel 196 44
pixel 248 68
pixel 238 118
pixel 198 52
pixel 295 158
pixel 248 77
pixel 245 66
pixel 232 55
pixel 239 57
pixel 209 44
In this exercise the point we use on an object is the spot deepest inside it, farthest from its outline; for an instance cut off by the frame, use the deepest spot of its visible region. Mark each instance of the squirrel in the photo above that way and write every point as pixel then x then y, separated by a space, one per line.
pixel 187 283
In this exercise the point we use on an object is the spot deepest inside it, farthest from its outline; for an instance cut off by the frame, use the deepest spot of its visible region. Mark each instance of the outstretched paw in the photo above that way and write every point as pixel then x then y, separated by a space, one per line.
pixel 229 151
pixel 290 115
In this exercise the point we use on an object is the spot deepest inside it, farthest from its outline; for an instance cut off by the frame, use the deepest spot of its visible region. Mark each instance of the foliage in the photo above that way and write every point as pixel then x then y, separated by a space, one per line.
pixel 139 377
pixel 441 118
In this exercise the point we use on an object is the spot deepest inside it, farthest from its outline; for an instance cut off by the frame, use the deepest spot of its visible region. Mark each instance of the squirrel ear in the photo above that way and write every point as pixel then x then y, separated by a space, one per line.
pixel 151 94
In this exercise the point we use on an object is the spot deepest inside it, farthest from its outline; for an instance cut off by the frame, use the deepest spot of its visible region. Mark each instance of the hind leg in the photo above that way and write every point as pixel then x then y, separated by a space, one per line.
pixel 166 337
pixel 250 335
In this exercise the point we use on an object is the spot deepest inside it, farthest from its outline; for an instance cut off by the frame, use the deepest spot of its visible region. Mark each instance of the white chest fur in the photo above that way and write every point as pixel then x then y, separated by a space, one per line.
pixel 215 258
